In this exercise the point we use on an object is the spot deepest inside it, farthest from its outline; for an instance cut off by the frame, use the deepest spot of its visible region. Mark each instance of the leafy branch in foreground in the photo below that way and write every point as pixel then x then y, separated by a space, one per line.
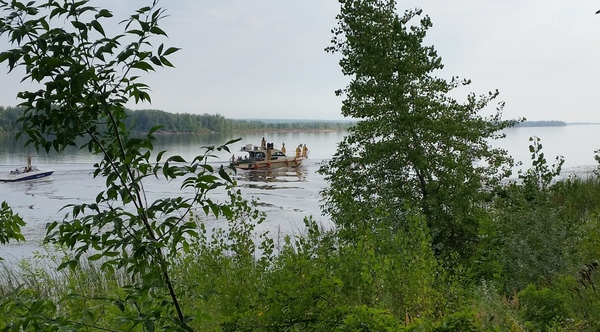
pixel 10 225
pixel 85 77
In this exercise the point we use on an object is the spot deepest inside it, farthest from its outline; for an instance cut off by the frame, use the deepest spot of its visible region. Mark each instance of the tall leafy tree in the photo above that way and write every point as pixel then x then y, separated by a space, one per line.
pixel 414 147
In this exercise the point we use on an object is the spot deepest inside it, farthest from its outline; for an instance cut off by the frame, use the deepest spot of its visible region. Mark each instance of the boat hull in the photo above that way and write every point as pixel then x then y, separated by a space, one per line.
pixel 26 176
pixel 290 163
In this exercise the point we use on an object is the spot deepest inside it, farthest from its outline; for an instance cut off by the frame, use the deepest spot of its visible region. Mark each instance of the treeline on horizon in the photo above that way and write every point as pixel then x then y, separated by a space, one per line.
pixel 544 123
pixel 144 120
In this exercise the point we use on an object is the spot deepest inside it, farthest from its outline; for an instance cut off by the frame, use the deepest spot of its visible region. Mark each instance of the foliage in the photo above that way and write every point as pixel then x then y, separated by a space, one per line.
pixel 540 176
pixel 10 225
pixel 460 321
pixel 235 279
pixel 29 312
pixel 232 261
pixel 382 280
pixel 542 308
pixel 582 296
pixel 524 219
pixel 413 145
pixel 244 286
pixel 85 78
pixel 414 190
pixel 541 245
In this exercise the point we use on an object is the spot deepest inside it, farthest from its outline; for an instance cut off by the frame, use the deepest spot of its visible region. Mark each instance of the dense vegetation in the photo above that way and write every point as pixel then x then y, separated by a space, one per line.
pixel 425 241
pixel 414 144
pixel 141 121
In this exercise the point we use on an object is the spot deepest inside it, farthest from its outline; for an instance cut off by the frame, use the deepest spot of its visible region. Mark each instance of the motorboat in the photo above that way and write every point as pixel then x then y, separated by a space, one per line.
pixel 26 173
pixel 22 174
pixel 265 157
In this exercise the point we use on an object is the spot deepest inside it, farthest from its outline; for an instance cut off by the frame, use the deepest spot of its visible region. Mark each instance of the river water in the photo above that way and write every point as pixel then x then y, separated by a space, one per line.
pixel 286 196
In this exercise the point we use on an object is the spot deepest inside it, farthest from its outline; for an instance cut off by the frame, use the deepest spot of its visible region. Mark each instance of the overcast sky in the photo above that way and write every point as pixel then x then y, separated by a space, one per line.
pixel 265 58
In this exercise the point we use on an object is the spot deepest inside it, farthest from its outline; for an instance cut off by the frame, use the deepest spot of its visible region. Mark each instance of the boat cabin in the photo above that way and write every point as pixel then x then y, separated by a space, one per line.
pixel 256 153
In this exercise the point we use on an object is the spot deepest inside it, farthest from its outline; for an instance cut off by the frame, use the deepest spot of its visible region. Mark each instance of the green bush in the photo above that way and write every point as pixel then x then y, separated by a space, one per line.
pixel 542 308
pixel 363 318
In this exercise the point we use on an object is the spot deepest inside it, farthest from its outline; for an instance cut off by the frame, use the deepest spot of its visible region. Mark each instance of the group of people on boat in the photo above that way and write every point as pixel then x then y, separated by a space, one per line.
pixel 267 156
pixel 301 150
pixel 28 168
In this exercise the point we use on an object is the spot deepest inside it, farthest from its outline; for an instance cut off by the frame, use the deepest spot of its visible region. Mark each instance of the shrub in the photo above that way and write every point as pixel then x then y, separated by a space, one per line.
pixel 542 308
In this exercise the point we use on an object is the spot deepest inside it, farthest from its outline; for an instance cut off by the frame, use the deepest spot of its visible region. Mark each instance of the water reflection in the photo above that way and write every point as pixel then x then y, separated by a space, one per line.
pixel 270 179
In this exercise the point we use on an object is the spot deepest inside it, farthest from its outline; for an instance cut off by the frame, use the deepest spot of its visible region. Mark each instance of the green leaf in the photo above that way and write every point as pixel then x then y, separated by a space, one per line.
pixel 158 31
pixel 98 27
pixel 72 264
pixel 78 25
pixel 4 56
pixel 224 175
pixel 166 62
pixel 103 13
pixel 170 50
pixel 58 11
pixel 124 55
pixel 144 9
pixel 44 24
pixel 111 253
pixel 159 156
pixel 156 61
pixel 135 32
pixel 177 159
pixel 143 66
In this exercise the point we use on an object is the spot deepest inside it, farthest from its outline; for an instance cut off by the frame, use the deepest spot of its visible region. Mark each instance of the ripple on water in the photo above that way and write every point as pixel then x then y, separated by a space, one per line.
pixel 287 196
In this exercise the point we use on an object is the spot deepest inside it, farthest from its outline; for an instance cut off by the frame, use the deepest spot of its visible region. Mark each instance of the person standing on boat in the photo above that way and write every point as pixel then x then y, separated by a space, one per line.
pixel 263 143
pixel 304 151
pixel 298 151
pixel 28 167
pixel 283 148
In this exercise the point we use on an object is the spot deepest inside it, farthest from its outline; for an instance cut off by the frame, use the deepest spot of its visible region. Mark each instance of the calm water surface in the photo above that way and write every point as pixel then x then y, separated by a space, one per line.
pixel 287 196
pixel 576 143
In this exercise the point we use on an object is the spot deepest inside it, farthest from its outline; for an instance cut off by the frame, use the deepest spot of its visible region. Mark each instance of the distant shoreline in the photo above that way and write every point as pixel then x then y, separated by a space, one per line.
pixel 252 131
pixel 544 123
pixel 582 123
